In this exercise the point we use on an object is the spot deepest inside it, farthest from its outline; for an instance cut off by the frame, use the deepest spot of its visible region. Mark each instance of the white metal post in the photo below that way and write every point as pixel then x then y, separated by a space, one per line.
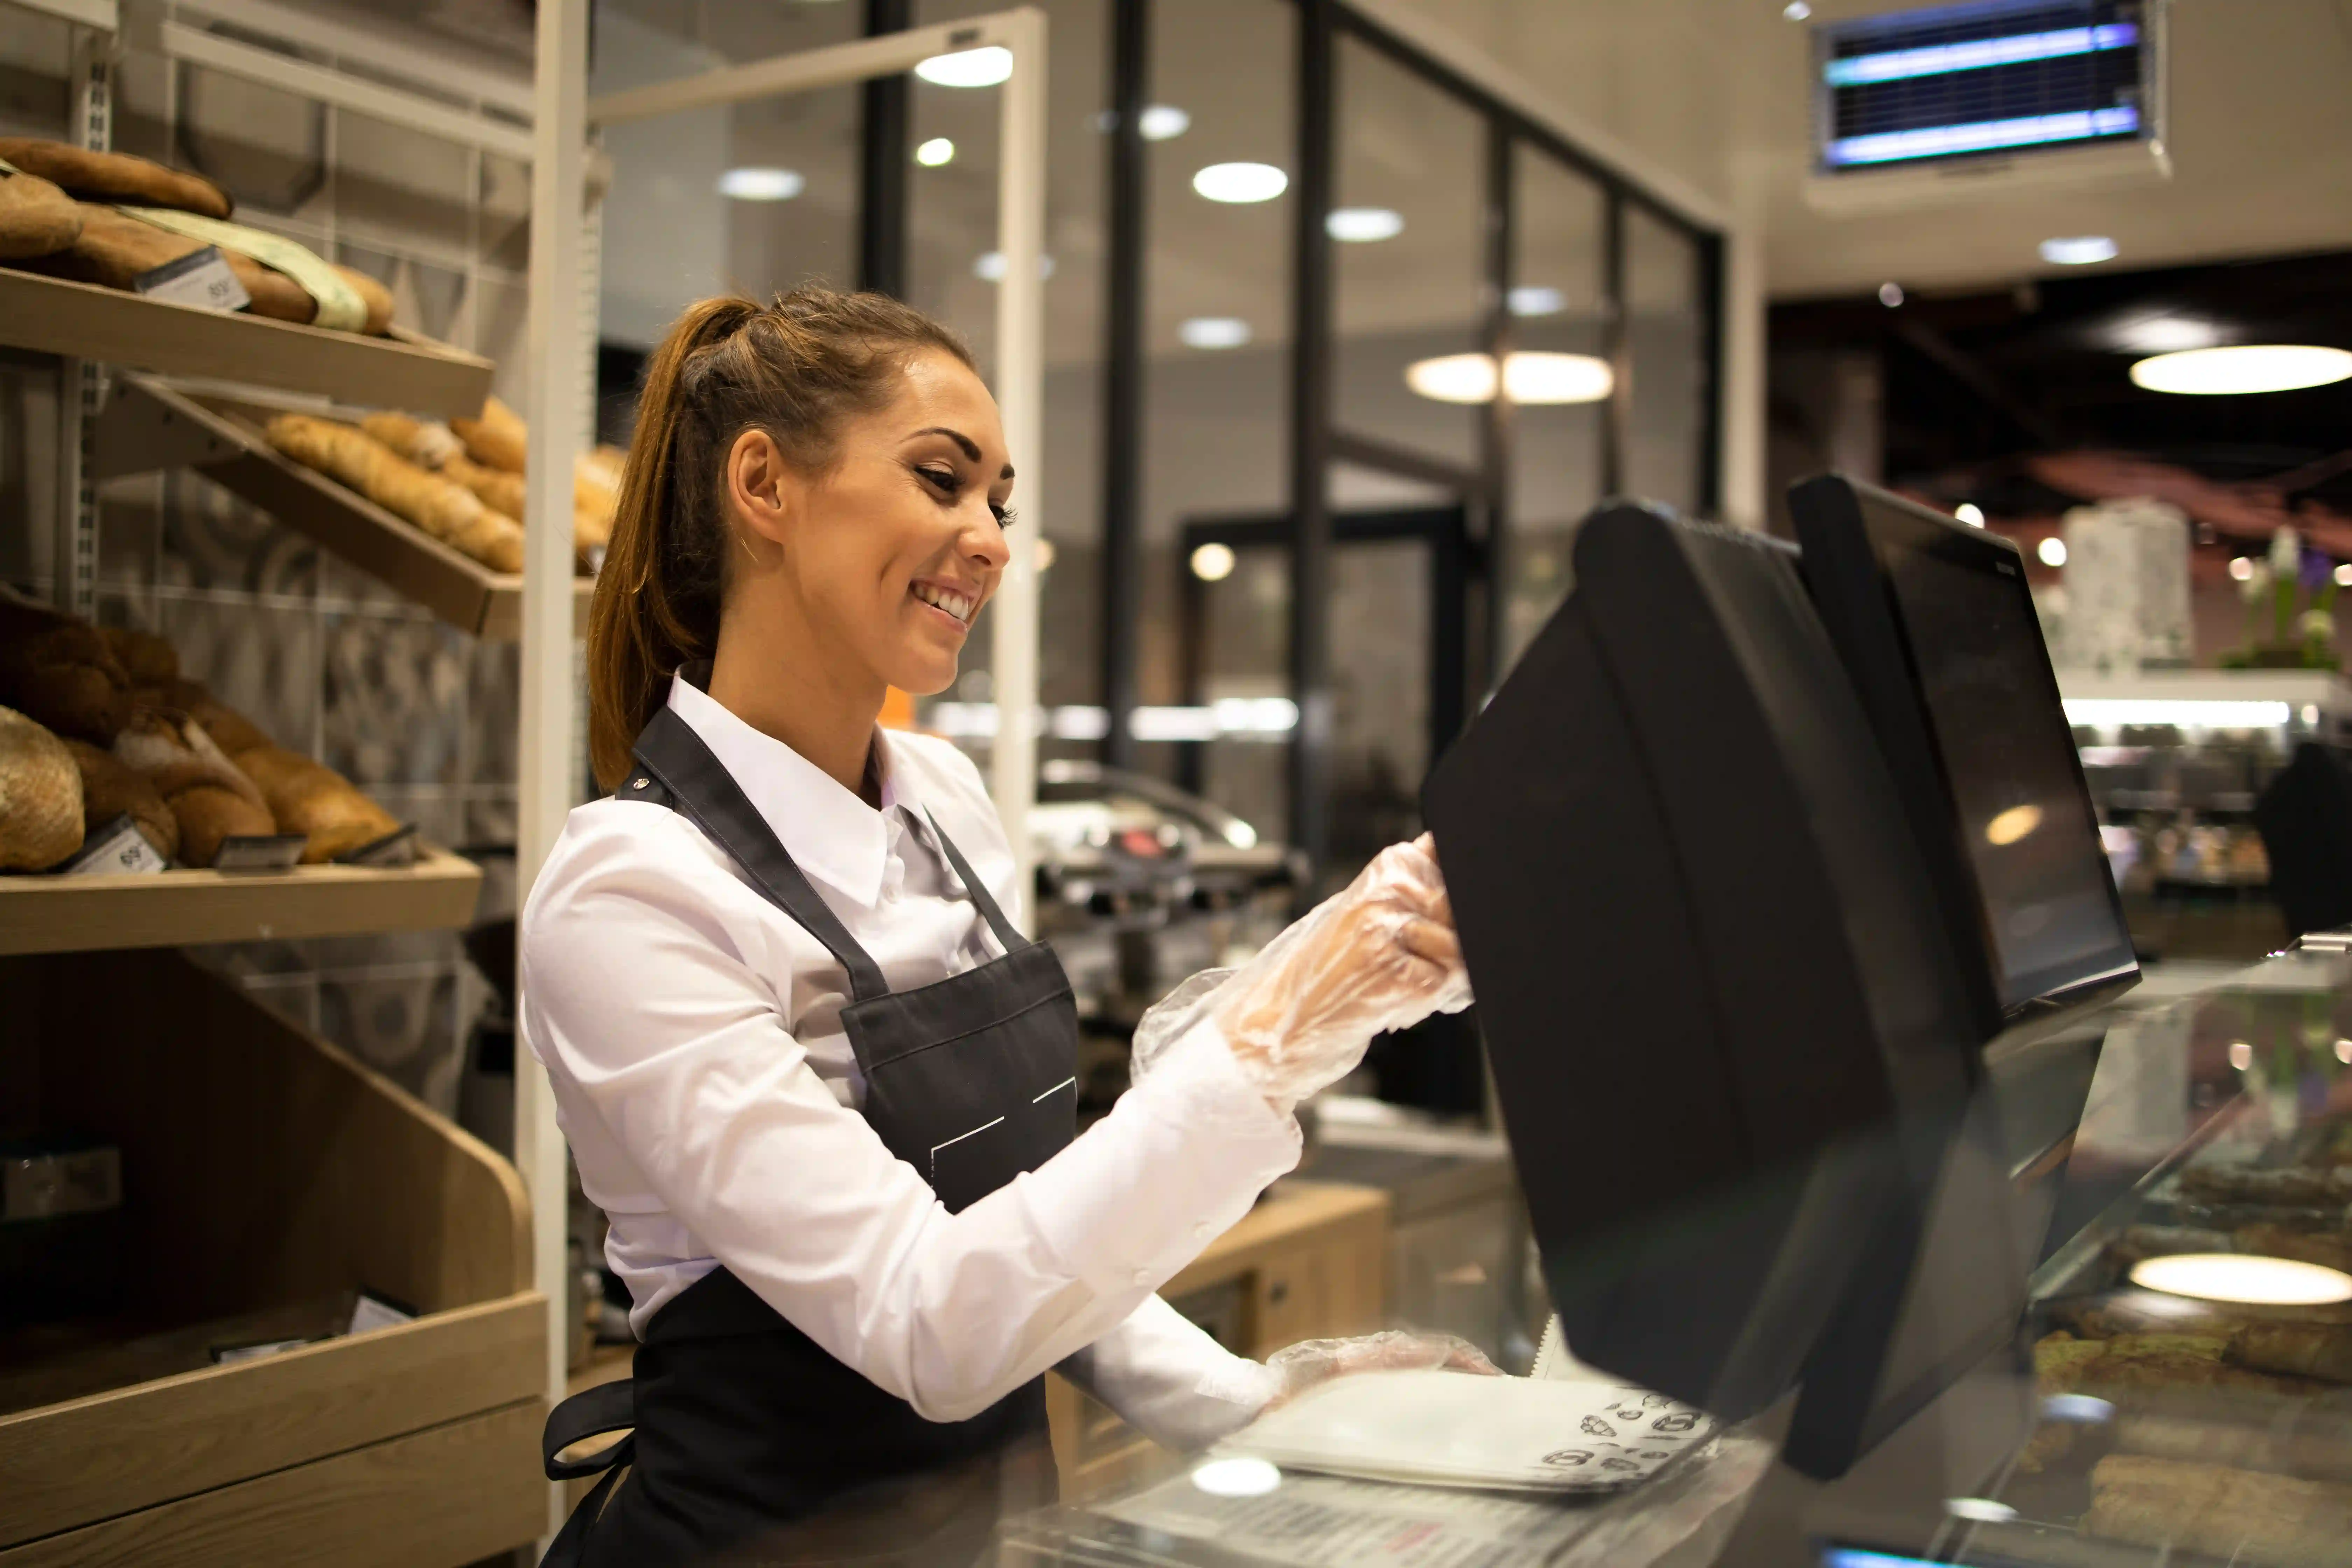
pixel 558 366
pixel 81 383
pixel 1020 399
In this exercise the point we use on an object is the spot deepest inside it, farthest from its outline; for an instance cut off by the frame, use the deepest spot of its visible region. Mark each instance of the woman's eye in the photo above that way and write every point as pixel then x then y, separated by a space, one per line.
pixel 944 480
pixel 1005 516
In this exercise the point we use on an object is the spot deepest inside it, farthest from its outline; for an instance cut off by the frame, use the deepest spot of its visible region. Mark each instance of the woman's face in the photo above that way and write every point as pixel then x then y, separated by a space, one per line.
pixel 893 552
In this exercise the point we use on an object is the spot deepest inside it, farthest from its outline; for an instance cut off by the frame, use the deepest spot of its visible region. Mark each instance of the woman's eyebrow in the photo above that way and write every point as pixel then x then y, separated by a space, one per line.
pixel 970 447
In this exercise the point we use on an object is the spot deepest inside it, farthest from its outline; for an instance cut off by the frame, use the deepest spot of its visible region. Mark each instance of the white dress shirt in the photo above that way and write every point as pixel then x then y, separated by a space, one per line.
pixel 692 1033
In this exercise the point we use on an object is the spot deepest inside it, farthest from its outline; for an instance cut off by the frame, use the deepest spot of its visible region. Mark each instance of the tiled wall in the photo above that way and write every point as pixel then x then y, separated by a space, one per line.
pixel 421 716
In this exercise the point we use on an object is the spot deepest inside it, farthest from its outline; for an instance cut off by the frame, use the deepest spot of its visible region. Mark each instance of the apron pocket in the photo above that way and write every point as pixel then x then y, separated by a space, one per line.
pixel 971 1166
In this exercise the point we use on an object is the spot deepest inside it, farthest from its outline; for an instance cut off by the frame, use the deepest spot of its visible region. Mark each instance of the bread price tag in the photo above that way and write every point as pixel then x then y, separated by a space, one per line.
pixel 117 848
pixel 395 848
pixel 260 852
pixel 201 278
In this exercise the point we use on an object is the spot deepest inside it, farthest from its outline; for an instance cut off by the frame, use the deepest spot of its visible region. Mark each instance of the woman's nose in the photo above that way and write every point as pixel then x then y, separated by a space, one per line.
pixel 984 543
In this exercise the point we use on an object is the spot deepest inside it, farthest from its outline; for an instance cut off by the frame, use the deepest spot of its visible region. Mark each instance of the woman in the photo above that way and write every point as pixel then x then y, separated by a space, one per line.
pixel 817 1080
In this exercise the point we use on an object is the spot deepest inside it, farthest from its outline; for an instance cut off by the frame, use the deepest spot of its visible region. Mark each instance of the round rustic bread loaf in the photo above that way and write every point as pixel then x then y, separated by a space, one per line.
pixel 40 797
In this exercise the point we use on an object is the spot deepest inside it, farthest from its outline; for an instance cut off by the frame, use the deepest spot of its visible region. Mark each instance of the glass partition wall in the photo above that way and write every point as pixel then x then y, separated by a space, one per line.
pixel 1339 348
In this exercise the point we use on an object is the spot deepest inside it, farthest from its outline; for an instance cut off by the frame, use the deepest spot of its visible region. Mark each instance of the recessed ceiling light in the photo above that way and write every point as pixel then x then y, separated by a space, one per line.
pixel 1796 10
pixel 762 185
pixel 2053 550
pixel 2249 367
pixel 2343 580
pixel 1981 1511
pixel 1213 332
pixel 2078 250
pixel 1361 226
pixel 968 68
pixel 1534 300
pixel 2240 568
pixel 1528 377
pixel 1213 562
pixel 2239 1276
pixel 938 150
pixel 1968 512
pixel 989 266
pixel 1163 122
pixel 1890 295
pixel 1241 182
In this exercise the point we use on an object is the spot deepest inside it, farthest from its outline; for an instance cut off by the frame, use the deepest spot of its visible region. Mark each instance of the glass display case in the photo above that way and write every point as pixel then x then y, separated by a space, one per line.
pixel 2179 1392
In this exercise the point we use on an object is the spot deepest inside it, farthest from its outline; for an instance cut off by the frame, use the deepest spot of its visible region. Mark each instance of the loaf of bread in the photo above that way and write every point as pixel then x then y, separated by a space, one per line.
pixel 500 490
pixel 62 675
pixel 111 788
pixel 314 800
pixel 497 437
pixel 231 730
pixel 2237 1515
pixel 427 443
pixel 40 797
pixel 37 218
pixel 2328 1248
pixel 115 176
pixel 117 251
pixel 146 658
pixel 210 798
pixel 441 507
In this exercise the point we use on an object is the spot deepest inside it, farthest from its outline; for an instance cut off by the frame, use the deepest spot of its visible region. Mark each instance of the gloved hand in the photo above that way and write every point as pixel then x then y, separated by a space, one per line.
pixel 1380 955
pixel 1311 1362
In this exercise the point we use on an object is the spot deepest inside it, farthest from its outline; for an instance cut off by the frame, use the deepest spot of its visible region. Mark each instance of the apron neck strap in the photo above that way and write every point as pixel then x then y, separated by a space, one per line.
pixel 700 786
pixel 1012 939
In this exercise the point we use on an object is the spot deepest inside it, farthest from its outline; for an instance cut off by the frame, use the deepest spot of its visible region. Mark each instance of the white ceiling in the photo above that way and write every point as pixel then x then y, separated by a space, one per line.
pixel 1717 93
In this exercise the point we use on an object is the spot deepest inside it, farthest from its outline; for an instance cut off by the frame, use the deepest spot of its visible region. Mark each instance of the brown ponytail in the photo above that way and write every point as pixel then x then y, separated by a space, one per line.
pixel 796 367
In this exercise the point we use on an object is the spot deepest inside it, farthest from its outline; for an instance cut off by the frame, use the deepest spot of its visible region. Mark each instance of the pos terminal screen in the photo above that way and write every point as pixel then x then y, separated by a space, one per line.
pixel 2009 760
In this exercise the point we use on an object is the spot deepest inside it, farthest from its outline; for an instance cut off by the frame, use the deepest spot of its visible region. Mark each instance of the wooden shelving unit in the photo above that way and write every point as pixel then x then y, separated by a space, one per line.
pixel 152 425
pixel 263 1168
pixel 52 315
pixel 176 908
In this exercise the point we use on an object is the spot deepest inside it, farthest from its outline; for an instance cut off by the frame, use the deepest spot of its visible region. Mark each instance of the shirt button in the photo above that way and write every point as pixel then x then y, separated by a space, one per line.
pixel 1143 1277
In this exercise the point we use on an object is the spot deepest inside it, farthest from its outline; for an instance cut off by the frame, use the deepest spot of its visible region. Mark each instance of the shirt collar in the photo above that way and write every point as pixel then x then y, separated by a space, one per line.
pixel 827 830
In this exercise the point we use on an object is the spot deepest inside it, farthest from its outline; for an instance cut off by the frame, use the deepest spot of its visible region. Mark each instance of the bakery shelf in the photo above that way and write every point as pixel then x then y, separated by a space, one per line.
pixel 52 315
pixel 151 424
pixel 263 1166
pixel 179 909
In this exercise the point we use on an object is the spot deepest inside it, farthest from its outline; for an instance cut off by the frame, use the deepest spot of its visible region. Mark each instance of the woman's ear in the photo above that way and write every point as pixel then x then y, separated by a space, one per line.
pixel 763 492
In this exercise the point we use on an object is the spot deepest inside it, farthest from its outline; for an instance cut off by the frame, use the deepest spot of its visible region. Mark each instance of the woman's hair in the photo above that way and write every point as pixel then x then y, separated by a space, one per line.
pixel 797 367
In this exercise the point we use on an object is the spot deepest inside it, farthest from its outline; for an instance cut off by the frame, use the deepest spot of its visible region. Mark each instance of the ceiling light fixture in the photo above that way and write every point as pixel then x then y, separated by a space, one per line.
pixel 1534 300
pixel 1528 377
pixel 2052 551
pixel 938 150
pixel 2240 568
pixel 1796 10
pixel 1213 562
pixel 2078 250
pixel 751 184
pixel 1163 122
pixel 1213 332
pixel 1968 512
pixel 2245 368
pixel 2240 1276
pixel 1363 225
pixel 1890 295
pixel 968 68
pixel 1241 183
pixel 2344 576
pixel 989 266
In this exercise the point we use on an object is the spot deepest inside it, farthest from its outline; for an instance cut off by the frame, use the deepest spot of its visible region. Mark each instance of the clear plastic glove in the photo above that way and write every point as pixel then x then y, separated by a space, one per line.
pixel 1311 1361
pixel 1380 955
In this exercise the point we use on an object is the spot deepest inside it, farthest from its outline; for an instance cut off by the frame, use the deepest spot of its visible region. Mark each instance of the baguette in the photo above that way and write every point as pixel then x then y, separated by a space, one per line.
pixel 231 730
pixel 314 800
pixel 441 507
pixel 117 251
pixel 2295 1444
pixel 210 798
pixel 111 788
pixel 498 437
pixel 2228 1513
pixel 500 490
pixel 116 176
pixel 40 797
pixel 2291 1186
pixel 426 443
pixel 37 218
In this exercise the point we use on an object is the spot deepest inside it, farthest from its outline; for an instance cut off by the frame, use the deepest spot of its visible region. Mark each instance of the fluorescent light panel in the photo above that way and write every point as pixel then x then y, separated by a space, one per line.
pixel 1979 54
pixel 1982 136
pixel 2188 712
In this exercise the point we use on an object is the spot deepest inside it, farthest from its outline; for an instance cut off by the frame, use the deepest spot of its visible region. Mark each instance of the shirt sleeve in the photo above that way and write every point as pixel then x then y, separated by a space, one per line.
pixel 1166 1377
pixel 640 1000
